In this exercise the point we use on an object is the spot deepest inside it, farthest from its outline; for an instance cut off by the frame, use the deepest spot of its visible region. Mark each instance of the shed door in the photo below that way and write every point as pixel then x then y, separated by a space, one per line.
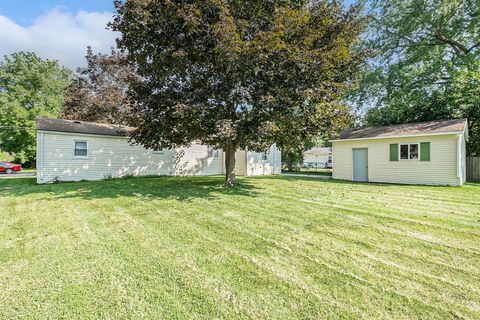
pixel 360 164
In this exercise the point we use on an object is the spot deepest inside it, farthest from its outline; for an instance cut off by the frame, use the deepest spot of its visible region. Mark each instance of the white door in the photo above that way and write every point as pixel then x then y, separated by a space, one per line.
pixel 360 164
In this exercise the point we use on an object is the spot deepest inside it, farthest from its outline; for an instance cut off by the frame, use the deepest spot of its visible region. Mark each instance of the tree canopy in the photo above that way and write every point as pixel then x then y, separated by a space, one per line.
pixel 99 93
pixel 427 64
pixel 238 74
pixel 29 87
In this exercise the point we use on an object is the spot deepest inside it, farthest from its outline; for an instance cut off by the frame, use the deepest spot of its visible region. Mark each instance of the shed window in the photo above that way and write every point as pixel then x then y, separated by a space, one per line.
pixel 409 151
pixel 213 153
pixel 264 155
pixel 81 149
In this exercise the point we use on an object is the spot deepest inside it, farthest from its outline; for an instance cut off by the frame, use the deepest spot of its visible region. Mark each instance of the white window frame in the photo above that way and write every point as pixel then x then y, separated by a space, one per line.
pixel 408 144
pixel 74 148
pixel 213 153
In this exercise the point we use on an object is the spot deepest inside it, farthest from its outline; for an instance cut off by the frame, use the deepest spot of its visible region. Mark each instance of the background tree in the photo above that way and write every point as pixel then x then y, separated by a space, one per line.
pixel 427 65
pixel 29 87
pixel 237 74
pixel 99 93
pixel 294 142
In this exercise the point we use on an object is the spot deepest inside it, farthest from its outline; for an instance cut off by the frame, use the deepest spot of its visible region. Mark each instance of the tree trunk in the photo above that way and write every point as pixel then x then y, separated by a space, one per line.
pixel 230 164
pixel 289 162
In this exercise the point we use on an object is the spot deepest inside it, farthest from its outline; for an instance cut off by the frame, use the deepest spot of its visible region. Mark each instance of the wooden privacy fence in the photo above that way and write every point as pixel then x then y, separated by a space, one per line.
pixel 473 168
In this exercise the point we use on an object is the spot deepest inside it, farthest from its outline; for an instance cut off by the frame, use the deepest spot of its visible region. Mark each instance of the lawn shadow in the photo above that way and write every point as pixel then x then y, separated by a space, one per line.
pixel 148 188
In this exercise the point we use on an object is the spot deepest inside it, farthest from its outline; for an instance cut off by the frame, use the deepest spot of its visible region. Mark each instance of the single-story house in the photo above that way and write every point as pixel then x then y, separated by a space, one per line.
pixel 77 150
pixel 431 153
pixel 317 156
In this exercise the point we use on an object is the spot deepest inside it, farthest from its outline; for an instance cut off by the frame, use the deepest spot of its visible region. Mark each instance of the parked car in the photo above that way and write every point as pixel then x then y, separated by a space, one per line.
pixel 328 164
pixel 9 168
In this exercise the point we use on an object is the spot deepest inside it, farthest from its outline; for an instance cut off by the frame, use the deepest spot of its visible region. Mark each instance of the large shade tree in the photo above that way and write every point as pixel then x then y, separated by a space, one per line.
pixel 238 74
pixel 99 93
pixel 427 66
pixel 29 87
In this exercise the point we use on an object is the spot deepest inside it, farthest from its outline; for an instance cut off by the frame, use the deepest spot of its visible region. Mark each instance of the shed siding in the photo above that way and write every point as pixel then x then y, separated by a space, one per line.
pixel 440 170
pixel 257 166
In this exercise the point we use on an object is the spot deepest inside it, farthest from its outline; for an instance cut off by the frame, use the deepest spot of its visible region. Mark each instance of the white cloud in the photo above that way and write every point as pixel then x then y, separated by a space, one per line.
pixel 59 35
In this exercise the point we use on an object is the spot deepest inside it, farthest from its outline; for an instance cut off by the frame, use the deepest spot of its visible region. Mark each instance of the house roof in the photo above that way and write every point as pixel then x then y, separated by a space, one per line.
pixel 407 129
pixel 74 126
pixel 318 151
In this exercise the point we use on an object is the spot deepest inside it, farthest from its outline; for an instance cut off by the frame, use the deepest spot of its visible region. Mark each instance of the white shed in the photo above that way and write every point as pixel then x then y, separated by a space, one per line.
pixel 317 156
pixel 431 153
pixel 77 150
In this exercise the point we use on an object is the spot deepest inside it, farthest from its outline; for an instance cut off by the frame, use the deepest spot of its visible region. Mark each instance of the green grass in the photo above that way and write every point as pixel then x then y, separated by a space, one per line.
pixel 275 247
pixel 310 171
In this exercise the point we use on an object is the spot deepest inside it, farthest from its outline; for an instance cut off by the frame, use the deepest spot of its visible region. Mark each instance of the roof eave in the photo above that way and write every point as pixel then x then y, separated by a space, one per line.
pixel 84 133
pixel 402 136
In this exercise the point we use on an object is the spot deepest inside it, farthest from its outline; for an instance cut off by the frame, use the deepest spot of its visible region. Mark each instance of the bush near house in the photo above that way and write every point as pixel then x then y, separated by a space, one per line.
pixel 273 247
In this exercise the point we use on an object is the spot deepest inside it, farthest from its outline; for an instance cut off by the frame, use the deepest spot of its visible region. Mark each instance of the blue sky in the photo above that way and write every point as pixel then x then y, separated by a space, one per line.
pixel 58 29
pixel 24 12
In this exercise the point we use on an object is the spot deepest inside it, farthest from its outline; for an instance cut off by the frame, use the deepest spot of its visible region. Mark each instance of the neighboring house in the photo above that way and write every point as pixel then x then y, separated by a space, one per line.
pixel 77 150
pixel 430 153
pixel 317 157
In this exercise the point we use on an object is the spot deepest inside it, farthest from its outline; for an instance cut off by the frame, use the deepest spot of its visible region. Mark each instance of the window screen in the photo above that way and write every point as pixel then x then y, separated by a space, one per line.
pixel 404 151
pixel 81 149
pixel 414 151
pixel 409 151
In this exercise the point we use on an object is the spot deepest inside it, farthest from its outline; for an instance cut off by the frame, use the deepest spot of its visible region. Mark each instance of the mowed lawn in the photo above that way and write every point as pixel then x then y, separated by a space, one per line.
pixel 275 247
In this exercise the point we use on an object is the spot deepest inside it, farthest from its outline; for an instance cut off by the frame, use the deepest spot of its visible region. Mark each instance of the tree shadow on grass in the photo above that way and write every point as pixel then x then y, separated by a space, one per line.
pixel 148 188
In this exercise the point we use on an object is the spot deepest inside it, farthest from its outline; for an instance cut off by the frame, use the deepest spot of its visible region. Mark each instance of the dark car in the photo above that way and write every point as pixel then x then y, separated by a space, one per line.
pixel 9 168
pixel 328 164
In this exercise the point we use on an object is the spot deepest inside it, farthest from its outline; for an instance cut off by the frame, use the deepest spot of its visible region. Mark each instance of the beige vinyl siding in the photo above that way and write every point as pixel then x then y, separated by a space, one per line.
pixel 239 163
pixel 440 170
pixel 257 166
pixel 110 156
pixel 116 157
pixel 107 156
pixel 194 160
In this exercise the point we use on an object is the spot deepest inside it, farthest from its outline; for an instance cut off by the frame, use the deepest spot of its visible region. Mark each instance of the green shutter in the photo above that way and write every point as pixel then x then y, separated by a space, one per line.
pixel 394 152
pixel 425 151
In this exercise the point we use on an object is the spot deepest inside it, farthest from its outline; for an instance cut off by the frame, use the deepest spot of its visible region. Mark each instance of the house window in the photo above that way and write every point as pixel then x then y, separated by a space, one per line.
pixel 159 151
pixel 81 149
pixel 213 153
pixel 264 155
pixel 409 151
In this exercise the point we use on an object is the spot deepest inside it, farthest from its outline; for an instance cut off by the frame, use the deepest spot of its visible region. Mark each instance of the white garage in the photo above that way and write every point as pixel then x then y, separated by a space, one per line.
pixel 430 153
pixel 77 150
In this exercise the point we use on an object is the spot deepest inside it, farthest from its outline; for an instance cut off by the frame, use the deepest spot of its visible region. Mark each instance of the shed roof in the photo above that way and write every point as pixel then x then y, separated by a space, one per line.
pixel 407 129
pixel 74 126
pixel 319 151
